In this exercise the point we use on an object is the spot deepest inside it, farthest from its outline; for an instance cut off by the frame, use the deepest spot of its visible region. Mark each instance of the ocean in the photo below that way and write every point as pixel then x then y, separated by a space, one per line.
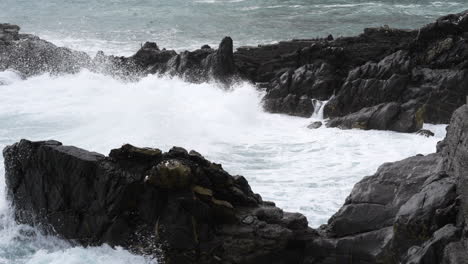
pixel 303 170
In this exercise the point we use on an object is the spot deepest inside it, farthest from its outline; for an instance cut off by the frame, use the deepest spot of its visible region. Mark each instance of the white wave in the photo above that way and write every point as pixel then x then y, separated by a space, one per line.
pixel 311 171
pixel 9 77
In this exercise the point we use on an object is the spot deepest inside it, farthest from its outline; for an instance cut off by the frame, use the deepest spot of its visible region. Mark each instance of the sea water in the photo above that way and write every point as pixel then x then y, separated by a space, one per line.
pixel 300 169
pixel 303 170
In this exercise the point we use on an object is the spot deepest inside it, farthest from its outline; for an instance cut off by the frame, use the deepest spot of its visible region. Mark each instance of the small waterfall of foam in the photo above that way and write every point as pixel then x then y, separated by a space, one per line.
pixel 318 108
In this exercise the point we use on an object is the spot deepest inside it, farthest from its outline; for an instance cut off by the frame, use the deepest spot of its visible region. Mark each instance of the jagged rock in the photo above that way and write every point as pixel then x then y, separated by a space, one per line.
pixel 423 70
pixel 291 104
pixel 430 74
pixel 176 205
pixel 315 125
pixel 410 211
pixel 386 116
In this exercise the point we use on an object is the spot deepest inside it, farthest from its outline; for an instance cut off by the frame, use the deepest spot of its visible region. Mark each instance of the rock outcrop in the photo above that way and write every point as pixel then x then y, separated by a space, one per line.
pixel 31 55
pixel 430 75
pixel 410 211
pixel 424 71
pixel 176 206
pixel 196 66
pixel 185 209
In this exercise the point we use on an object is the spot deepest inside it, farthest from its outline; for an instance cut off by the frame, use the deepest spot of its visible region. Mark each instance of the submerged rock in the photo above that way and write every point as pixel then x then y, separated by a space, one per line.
pixel 315 125
pixel 425 133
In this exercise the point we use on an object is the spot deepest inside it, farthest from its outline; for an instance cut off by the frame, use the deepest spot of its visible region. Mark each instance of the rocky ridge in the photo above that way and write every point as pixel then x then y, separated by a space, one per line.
pixel 406 77
pixel 180 207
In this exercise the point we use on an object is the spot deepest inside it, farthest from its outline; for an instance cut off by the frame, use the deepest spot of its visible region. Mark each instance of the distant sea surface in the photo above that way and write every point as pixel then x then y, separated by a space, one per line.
pixel 119 26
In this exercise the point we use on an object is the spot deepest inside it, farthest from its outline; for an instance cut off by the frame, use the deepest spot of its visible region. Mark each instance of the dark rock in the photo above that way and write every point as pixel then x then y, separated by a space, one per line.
pixel 425 70
pixel 291 104
pixel 9 32
pixel 410 211
pixel 176 206
pixel 429 74
pixel 315 125
pixel 386 116
pixel 425 133
pixel 30 55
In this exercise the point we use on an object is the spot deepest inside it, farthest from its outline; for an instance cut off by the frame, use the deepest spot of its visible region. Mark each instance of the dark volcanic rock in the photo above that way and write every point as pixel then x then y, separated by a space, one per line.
pixel 410 211
pixel 425 70
pixel 431 73
pixel 147 201
pixel 195 66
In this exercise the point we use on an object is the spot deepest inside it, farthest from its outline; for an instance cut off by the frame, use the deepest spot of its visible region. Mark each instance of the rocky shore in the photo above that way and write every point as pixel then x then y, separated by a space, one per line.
pixel 387 79
pixel 181 208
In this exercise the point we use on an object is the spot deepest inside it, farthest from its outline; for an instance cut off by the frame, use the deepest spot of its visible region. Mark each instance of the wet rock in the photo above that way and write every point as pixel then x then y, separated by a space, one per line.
pixel 175 206
pixel 291 104
pixel 424 70
pixel 425 133
pixel 386 116
pixel 410 211
pixel 431 74
pixel 30 55
pixel 315 125
pixel 9 32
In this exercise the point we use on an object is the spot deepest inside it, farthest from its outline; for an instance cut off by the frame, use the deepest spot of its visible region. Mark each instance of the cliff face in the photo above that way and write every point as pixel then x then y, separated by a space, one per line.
pixel 183 208
pixel 387 79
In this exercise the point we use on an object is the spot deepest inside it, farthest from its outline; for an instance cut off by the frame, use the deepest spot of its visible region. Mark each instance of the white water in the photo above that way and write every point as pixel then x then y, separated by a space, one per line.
pixel 310 171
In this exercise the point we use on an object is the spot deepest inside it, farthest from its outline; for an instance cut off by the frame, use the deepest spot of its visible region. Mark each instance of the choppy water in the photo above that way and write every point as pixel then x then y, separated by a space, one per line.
pixel 119 26
pixel 310 171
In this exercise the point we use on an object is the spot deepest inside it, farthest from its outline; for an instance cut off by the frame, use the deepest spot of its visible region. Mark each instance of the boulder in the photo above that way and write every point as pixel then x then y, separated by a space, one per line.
pixel 386 116
pixel 425 133
pixel 176 206
pixel 315 125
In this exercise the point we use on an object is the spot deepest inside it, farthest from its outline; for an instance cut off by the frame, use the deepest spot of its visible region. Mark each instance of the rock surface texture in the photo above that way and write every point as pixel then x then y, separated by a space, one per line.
pixel 410 211
pixel 185 209
pixel 176 206
pixel 407 77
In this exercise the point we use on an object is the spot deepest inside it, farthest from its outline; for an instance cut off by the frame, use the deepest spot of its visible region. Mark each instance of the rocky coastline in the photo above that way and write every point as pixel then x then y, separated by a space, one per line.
pixel 385 78
pixel 181 208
